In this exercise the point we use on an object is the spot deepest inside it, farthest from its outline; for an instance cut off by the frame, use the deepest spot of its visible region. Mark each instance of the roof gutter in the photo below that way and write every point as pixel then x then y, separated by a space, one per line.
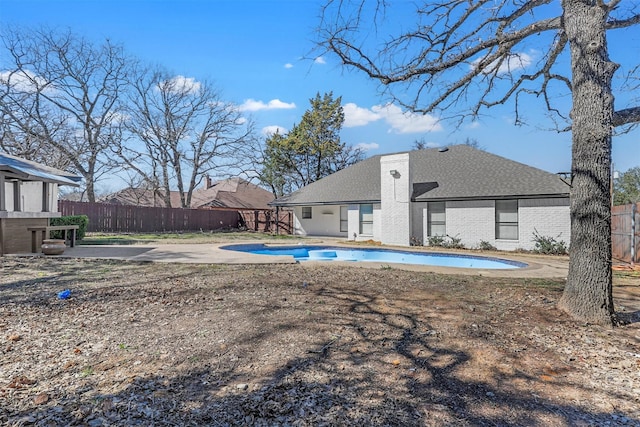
pixel 501 197
pixel 331 203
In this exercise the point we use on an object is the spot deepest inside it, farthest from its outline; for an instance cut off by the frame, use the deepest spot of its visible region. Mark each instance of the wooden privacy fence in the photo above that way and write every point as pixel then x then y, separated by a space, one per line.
pixel 112 218
pixel 625 233
pixel 265 220
pixel 105 217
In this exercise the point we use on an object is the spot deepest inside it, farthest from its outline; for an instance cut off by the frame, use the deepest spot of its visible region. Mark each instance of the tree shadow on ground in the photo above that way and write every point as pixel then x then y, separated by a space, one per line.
pixel 329 384
pixel 389 361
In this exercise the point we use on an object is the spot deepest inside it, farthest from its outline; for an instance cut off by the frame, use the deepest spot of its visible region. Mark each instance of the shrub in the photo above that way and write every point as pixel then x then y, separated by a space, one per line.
pixel 548 245
pixel 453 243
pixel 80 220
pixel 436 240
pixel 446 242
pixel 486 246
pixel 414 241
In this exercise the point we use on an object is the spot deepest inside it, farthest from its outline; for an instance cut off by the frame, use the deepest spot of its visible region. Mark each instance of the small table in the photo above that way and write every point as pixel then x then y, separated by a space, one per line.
pixel 45 234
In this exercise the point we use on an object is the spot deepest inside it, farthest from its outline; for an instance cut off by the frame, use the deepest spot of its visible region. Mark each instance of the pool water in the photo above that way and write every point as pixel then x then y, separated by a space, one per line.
pixel 334 253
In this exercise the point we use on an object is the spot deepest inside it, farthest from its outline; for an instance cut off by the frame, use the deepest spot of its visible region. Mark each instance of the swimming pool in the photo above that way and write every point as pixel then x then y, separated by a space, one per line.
pixel 335 253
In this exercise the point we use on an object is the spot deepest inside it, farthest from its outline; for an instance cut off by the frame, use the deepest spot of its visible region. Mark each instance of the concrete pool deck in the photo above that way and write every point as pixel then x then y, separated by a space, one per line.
pixel 539 266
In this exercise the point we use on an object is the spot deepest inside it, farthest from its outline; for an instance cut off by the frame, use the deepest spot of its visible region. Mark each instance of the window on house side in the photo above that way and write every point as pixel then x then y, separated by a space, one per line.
pixel 45 197
pixel 366 219
pixel 507 219
pixel 306 212
pixel 436 219
pixel 344 221
pixel 17 196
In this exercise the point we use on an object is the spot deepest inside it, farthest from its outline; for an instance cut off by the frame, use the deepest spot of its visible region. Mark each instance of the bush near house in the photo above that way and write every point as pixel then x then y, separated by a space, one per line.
pixel 548 245
pixel 449 242
pixel 80 220
pixel 486 246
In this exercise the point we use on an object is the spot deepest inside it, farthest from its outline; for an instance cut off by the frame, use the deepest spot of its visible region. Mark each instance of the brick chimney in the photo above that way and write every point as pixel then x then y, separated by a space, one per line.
pixel 208 182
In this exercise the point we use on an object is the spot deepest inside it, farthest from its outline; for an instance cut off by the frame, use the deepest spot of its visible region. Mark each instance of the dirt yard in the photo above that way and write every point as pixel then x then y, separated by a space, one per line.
pixel 167 345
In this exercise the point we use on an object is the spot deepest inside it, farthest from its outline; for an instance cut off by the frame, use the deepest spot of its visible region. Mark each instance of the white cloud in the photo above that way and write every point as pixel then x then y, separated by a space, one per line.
pixel 406 122
pixel 320 60
pixel 182 83
pixel 474 125
pixel 270 130
pixel 432 144
pixel 274 104
pixel 514 62
pixel 367 146
pixel 400 122
pixel 288 65
pixel 357 116
pixel 24 81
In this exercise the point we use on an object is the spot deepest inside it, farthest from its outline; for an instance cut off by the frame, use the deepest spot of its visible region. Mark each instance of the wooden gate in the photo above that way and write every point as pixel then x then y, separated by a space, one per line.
pixel 625 233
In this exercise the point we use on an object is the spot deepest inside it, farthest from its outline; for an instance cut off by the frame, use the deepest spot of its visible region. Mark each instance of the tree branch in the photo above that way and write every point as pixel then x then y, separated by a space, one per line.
pixel 626 116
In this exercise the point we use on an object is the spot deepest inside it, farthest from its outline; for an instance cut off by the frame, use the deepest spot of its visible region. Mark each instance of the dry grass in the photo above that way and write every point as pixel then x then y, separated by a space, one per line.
pixel 166 344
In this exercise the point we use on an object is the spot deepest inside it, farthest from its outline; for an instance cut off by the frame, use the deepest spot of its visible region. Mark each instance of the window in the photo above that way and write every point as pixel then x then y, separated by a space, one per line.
pixel 507 219
pixel 306 212
pixel 436 219
pixel 3 194
pixel 45 197
pixel 17 196
pixel 366 219
pixel 344 221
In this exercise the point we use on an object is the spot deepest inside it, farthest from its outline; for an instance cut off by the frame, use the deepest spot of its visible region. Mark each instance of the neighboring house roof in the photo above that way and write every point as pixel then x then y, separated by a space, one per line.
pixel 27 170
pixel 233 193
pixel 459 172
pixel 229 193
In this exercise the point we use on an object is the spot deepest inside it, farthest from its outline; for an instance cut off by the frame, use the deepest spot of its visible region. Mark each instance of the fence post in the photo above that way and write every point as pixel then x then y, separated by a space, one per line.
pixel 634 208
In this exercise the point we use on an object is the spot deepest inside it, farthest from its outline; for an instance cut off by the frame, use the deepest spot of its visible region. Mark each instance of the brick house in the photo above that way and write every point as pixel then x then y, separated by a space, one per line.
pixel 459 191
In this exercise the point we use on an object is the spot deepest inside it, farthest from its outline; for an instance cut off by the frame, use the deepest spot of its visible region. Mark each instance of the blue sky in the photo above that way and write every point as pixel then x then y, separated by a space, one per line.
pixel 260 55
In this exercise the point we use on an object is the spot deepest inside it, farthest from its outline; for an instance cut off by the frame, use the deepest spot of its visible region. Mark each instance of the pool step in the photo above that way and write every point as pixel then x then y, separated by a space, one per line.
pixel 322 254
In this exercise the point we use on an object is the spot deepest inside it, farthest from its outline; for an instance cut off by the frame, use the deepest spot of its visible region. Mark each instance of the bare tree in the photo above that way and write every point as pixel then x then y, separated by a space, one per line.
pixel 179 130
pixel 23 143
pixel 60 95
pixel 465 56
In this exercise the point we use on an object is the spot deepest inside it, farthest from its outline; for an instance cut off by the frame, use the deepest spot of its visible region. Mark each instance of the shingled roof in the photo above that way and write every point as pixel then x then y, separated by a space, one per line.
pixel 234 193
pixel 460 172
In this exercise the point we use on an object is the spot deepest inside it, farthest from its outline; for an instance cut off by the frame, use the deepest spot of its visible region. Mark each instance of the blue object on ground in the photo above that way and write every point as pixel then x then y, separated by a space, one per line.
pixel 64 294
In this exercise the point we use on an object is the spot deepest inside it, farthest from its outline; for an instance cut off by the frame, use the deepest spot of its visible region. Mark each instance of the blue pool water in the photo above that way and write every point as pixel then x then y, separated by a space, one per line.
pixel 333 253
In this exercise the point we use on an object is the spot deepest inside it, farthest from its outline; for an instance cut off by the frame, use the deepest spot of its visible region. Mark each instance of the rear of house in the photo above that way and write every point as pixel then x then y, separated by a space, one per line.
pixel 414 197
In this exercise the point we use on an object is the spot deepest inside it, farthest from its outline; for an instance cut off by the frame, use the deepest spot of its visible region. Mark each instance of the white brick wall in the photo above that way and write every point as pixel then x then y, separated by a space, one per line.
pixel 325 221
pixel 550 217
pixel 395 217
pixel 353 216
pixel 8 196
pixel 30 196
pixel 354 224
pixel 474 221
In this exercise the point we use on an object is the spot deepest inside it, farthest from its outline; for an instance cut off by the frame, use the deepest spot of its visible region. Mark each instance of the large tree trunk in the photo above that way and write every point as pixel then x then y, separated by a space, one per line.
pixel 588 293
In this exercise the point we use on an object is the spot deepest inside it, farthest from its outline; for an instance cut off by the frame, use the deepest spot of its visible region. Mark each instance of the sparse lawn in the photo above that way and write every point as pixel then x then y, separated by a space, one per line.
pixel 183 344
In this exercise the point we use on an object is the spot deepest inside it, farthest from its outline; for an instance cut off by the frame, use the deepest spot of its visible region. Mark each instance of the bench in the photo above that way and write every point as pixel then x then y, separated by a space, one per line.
pixel 72 229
